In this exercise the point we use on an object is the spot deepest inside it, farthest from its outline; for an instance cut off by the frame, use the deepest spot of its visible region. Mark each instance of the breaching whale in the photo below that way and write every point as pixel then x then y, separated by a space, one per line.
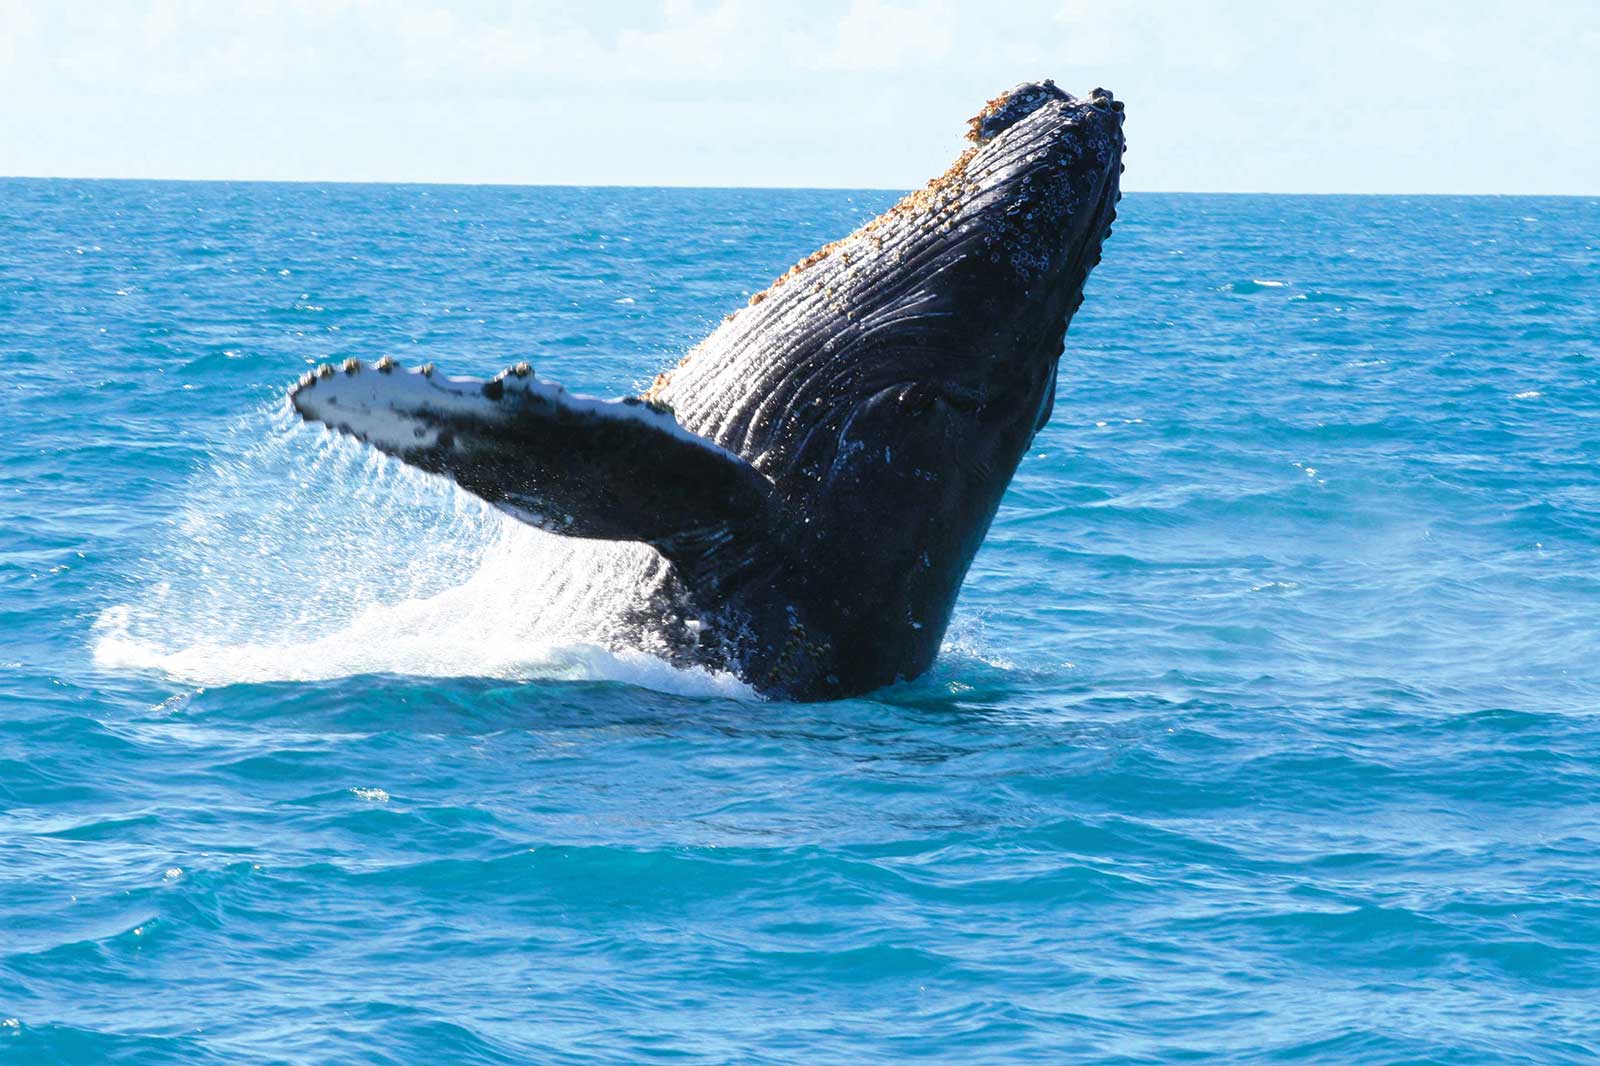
pixel 818 473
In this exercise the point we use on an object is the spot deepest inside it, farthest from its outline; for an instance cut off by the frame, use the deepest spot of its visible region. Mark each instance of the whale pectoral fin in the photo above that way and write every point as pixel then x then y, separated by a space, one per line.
pixel 607 469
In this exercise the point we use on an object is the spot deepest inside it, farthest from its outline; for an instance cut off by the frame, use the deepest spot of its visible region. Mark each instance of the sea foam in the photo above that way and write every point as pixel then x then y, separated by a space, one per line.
pixel 309 557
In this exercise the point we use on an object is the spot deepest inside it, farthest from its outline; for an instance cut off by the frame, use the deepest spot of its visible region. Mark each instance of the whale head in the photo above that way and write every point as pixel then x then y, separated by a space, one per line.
pixel 955 301
pixel 1024 214
pixel 1045 182
pixel 898 375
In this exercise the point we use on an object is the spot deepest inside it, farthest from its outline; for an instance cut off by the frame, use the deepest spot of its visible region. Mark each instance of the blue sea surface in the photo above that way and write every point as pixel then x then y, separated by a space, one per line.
pixel 1266 730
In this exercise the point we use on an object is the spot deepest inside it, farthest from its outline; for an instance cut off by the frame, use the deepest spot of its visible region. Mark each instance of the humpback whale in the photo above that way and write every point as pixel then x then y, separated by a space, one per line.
pixel 817 474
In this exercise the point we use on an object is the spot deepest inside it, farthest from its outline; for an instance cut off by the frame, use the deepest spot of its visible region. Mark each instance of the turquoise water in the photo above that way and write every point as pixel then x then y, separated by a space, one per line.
pixel 1266 730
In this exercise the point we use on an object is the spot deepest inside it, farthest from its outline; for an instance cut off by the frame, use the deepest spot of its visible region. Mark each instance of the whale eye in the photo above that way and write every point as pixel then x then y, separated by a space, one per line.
pixel 920 398
pixel 963 398
pixel 916 399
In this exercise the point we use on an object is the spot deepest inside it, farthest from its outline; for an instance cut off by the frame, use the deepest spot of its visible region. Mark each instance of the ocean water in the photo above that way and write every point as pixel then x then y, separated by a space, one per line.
pixel 1266 731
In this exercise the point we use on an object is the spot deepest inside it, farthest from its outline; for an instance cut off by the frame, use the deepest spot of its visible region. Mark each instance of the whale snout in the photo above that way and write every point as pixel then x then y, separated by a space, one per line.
pixel 1043 183
pixel 1059 152
pixel 1016 104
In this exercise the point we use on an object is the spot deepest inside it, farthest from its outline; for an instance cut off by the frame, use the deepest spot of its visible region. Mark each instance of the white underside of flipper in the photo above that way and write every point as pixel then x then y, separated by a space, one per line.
pixel 403 410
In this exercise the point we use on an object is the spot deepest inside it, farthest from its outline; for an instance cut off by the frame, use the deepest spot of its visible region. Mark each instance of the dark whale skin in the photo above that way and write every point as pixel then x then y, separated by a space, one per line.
pixel 818 473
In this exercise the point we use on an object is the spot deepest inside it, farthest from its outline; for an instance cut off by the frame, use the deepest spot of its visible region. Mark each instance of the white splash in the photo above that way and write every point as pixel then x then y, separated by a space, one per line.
pixel 301 555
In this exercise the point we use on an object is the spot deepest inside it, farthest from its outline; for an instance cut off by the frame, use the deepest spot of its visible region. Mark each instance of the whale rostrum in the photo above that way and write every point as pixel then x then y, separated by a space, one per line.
pixel 818 473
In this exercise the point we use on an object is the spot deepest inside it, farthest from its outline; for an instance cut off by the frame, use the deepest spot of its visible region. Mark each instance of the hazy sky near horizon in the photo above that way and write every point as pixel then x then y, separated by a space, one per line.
pixel 1316 97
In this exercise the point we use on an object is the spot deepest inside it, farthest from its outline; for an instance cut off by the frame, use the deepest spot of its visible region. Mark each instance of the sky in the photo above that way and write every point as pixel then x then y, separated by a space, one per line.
pixel 1357 96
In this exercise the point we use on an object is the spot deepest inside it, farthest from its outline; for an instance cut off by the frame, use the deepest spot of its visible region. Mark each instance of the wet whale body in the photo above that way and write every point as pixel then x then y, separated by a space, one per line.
pixel 818 473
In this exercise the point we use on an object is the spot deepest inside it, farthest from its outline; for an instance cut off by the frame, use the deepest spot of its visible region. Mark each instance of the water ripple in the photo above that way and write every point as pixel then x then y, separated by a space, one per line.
pixel 1266 731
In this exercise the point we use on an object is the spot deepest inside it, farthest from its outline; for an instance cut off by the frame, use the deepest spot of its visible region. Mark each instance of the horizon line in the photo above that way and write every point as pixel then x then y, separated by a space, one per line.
pixel 756 188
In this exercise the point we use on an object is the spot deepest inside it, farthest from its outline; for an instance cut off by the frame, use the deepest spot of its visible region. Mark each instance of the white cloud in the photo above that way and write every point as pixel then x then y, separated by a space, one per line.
pixel 1238 95
pixel 874 36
